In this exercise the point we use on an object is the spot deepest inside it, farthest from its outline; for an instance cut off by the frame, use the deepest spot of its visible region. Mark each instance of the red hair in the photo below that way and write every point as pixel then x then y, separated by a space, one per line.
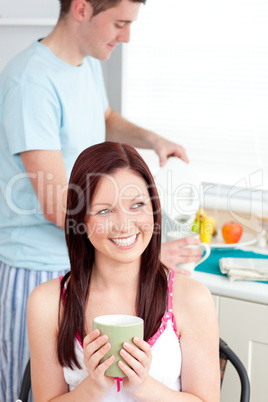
pixel 151 301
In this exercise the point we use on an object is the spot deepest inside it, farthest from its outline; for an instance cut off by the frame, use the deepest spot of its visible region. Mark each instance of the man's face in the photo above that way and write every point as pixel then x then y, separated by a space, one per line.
pixel 104 31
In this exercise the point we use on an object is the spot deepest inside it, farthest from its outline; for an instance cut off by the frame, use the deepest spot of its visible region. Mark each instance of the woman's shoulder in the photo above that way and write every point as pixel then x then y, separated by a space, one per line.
pixel 187 287
pixel 190 296
pixel 49 289
pixel 44 299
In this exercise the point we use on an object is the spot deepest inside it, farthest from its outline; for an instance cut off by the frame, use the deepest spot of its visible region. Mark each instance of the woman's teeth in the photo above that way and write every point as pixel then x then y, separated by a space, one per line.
pixel 125 242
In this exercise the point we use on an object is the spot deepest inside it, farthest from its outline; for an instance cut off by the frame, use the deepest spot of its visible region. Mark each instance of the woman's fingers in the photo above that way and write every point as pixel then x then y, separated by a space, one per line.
pixel 99 354
pixel 91 337
pixel 92 344
pixel 101 368
pixel 128 371
pixel 139 358
pixel 143 349
pixel 95 348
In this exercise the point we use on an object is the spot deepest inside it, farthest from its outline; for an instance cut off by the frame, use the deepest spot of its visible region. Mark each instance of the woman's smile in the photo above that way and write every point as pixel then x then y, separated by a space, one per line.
pixel 125 242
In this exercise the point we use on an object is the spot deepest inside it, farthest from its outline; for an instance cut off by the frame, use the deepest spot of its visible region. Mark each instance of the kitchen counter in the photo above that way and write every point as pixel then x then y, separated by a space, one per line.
pixel 242 310
pixel 243 290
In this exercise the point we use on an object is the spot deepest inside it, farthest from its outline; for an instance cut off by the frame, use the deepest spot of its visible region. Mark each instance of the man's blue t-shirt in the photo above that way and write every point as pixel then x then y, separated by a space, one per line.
pixel 45 104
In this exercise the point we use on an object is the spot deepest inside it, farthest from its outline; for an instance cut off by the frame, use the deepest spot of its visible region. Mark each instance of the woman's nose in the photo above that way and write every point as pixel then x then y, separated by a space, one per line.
pixel 124 223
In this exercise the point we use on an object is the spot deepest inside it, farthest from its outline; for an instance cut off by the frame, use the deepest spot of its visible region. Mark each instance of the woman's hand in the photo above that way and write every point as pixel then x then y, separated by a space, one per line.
pixel 174 253
pixel 95 348
pixel 139 359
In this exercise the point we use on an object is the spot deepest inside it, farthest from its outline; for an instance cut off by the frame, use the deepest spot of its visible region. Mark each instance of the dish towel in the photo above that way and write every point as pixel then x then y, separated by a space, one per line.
pixel 251 269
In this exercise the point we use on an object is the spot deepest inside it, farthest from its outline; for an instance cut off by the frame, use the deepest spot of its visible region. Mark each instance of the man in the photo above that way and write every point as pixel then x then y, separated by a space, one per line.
pixel 52 106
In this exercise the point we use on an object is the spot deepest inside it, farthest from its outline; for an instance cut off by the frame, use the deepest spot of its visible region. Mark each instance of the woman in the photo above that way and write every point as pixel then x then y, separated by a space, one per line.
pixel 113 236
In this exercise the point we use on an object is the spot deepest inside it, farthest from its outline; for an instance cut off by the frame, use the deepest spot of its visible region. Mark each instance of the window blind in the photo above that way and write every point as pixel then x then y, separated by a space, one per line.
pixel 196 72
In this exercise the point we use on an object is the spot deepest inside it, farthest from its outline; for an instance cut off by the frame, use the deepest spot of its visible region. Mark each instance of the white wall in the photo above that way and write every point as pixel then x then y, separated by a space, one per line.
pixel 15 34
pixel 29 8
pixel 23 21
pixel 15 38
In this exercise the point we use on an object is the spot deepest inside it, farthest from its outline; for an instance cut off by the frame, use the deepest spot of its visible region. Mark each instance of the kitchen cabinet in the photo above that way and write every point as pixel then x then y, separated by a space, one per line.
pixel 244 326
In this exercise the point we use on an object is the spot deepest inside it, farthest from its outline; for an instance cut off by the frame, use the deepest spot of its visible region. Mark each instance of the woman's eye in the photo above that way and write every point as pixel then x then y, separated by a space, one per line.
pixel 103 212
pixel 138 205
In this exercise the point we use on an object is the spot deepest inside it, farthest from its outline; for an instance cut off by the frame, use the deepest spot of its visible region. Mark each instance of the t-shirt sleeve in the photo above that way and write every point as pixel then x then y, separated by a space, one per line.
pixel 32 118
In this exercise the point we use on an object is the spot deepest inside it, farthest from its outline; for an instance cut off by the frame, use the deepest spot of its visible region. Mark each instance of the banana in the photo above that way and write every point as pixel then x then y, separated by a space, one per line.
pixel 206 230
pixel 204 225
pixel 200 214
pixel 212 220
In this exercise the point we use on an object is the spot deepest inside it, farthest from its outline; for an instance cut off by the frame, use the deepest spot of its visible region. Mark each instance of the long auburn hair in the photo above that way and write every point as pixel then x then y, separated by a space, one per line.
pixel 151 300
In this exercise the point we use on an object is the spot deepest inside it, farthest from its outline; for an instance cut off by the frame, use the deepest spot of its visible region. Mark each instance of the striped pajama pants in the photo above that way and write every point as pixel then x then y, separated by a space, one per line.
pixel 16 284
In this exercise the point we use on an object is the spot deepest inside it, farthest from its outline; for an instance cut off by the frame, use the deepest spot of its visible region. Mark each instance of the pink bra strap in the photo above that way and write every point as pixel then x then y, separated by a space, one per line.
pixel 170 290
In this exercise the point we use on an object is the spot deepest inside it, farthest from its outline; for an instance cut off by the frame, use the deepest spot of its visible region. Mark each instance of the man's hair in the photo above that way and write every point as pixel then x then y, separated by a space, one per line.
pixel 97 5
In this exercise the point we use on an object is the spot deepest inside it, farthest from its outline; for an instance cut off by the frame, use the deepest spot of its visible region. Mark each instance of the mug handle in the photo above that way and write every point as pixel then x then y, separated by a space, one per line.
pixel 207 251
pixel 206 248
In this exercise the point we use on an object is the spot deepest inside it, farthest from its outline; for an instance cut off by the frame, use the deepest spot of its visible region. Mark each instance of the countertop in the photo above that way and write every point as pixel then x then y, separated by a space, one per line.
pixel 244 290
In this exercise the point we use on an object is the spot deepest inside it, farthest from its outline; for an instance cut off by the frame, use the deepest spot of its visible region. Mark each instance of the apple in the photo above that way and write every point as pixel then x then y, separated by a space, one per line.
pixel 232 232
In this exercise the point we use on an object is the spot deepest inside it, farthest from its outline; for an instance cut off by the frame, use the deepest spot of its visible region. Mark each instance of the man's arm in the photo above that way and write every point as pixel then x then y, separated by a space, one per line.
pixel 48 177
pixel 119 129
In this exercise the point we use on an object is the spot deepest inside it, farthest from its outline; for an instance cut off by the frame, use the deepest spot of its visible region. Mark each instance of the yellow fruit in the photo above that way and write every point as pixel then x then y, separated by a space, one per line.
pixel 196 226
pixel 212 220
pixel 204 225
pixel 206 230
pixel 205 237
pixel 200 214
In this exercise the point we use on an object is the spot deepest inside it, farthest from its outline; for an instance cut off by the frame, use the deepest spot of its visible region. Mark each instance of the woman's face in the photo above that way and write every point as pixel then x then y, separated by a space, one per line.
pixel 120 223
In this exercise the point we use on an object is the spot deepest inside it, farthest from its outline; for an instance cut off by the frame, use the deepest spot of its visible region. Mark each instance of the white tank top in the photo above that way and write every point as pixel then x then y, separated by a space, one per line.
pixel 166 358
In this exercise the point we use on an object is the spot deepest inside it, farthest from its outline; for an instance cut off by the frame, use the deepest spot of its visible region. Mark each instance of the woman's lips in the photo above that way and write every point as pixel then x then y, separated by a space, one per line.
pixel 125 242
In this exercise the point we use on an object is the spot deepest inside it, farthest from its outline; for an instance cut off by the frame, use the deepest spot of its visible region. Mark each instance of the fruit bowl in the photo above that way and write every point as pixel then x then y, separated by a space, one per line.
pixel 247 239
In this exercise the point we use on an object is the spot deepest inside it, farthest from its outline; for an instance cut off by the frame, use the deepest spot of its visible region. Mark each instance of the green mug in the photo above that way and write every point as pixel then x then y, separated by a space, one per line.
pixel 119 329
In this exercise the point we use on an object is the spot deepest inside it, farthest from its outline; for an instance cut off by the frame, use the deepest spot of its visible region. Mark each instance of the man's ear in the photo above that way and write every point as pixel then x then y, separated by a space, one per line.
pixel 82 10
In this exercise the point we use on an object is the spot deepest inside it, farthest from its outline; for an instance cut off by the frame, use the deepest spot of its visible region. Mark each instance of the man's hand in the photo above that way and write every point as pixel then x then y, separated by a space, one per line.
pixel 165 149
pixel 119 129
pixel 174 253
